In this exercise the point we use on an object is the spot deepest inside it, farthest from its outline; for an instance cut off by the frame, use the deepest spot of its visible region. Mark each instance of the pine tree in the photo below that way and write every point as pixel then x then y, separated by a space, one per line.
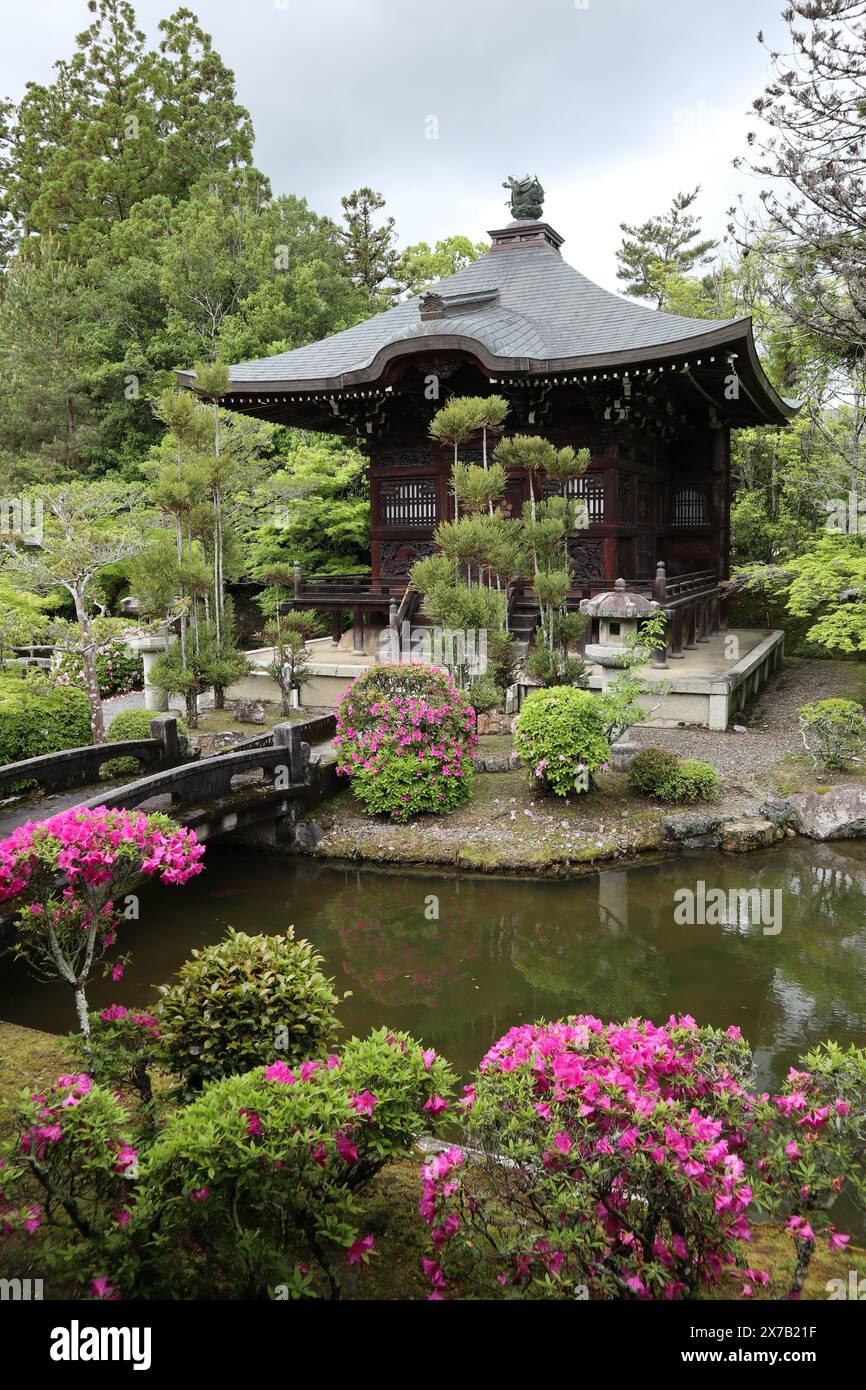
pixel 660 247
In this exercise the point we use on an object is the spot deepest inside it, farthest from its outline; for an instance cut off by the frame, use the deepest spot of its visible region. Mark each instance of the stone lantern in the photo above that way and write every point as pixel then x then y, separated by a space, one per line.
pixel 619 615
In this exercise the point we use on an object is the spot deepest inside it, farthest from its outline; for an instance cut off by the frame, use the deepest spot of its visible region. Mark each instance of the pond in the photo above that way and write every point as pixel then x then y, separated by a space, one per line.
pixel 457 960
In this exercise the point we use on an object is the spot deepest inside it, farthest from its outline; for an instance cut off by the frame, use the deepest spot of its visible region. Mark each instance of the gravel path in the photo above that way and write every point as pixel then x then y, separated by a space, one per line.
pixel 772 731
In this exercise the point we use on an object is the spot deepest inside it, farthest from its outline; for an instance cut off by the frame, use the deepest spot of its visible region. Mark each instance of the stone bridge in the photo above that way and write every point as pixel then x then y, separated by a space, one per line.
pixel 256 791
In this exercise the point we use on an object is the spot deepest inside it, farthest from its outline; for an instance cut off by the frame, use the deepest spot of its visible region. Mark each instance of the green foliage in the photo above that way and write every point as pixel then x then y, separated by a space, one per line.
pixel 690 781
pixel 314 508
pixel 650 768
pixel 35 719
pixel 243 1002
pixel 560 736
pixel 420 266
pixel 260 1174
pixel 132 723
pixel 834 732
pixel 661 246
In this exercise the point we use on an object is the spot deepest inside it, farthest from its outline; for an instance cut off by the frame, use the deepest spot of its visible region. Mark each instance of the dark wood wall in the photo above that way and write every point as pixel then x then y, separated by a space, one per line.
pixel 649 500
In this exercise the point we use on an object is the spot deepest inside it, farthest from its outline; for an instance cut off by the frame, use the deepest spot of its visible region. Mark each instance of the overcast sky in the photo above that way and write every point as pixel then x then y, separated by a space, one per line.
pixel 615 106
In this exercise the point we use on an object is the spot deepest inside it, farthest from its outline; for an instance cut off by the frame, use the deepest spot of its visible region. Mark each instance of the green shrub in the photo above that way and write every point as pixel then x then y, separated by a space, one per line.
pixel 485 695
pixel 36 720
pixel 132 723
pixel 691 781
pixel 255 1182
pixel 560 735
pixel 834 732
pixel 650 768
pixel 405 737
pixel 243 1002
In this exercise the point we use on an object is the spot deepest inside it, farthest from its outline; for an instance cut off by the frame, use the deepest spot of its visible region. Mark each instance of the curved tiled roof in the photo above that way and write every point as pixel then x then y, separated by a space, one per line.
pixel 544 311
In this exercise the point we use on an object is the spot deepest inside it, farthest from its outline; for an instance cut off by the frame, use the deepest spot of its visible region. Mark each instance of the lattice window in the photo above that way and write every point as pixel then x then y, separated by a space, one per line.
pixel 588 488
pixel 689 507
pixel 408 504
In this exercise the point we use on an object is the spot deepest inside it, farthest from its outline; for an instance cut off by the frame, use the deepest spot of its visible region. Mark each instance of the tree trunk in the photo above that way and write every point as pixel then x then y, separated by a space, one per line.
pixel 91 679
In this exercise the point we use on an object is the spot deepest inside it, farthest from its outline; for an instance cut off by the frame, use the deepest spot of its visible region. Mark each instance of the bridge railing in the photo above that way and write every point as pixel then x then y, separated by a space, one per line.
pixel 75 767
pixel 286 758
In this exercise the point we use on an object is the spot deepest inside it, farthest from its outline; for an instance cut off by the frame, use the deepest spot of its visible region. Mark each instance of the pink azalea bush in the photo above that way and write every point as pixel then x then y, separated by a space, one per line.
pixel 812 1146
pixel 63 876
pixel 122 1049
pixel 627 1160
pixel 260 1174
pixel 405 737
pixel 66 1177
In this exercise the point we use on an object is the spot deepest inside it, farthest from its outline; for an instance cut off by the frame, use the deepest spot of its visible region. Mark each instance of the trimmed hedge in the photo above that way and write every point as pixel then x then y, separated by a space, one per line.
pixel 132 723
pixel 656 772
pixel 244 1002
pixel 33 722
pixel 650 768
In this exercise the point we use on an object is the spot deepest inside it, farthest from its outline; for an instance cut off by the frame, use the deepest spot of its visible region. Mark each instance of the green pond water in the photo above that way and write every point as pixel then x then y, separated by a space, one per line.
pixel 502 951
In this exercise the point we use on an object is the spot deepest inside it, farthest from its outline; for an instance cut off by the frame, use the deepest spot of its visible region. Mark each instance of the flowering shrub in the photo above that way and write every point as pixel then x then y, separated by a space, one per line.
pixel 812 1145
pixel 559 734
pixel 834 732
pixel 256 1180
pixel 611 1163
pixel 244 1002
pixel 122 1048
pixel 72 1149
pixel 118 668
pixel 627 1160
pixel 64 874
pixel 405 737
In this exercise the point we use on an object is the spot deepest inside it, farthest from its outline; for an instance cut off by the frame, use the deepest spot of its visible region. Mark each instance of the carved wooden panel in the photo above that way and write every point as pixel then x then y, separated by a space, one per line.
pixel 586 555
pixel 398 557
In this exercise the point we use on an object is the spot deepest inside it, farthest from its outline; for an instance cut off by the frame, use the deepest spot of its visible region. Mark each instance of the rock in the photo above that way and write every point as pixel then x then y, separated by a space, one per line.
pixel 494 722
pixel 622 753
pixel 213 743
pixel 741 836
pixel 309 834
pixel 837 814
pixel 739 728
pixel 250 712
pixel 777 809
pixel 689 824
pixel 507 762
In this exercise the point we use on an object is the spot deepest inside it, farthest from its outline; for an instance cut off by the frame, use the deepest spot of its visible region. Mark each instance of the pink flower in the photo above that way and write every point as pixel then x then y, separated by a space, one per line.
pixel 345 1148
pixel 100 1288
pixel 279 1072
pixel 359 1251
pixel 435 1105
pixel 835 1240
pixel 364 1103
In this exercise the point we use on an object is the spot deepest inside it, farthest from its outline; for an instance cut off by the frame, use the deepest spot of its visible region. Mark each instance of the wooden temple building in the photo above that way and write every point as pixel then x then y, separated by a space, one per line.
pixel 654 396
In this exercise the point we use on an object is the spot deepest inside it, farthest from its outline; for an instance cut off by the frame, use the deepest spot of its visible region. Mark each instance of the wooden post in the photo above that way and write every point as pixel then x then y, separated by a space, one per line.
pixel 660 587
pixel 675 621
pixel 358 628
pixel 298 579
pixel 704 633
pixel 336 626
pixel 691 628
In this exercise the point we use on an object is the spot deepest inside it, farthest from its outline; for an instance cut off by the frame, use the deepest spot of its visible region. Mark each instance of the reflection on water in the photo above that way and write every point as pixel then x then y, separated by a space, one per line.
pixel 501 951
